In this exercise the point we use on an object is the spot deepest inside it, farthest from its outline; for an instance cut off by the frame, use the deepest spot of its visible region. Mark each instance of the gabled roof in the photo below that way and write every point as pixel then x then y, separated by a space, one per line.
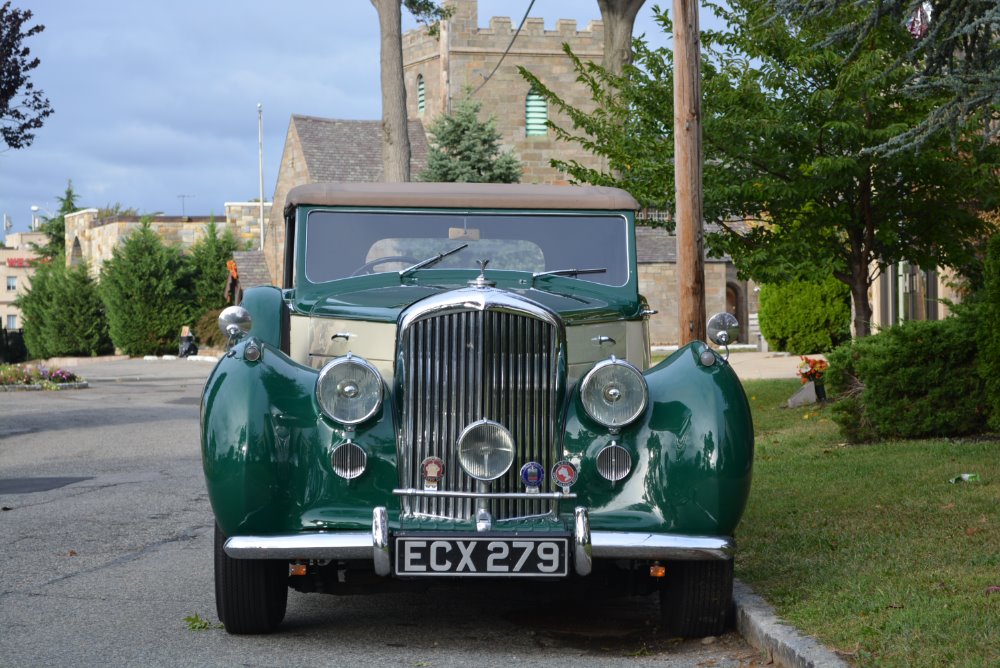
pixel 252 269
pixel 340 150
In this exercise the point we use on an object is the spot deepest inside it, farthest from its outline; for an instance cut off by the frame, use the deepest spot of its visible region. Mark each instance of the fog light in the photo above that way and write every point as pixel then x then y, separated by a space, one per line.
pixel 485 450
pixel 614 462
pixel 349 460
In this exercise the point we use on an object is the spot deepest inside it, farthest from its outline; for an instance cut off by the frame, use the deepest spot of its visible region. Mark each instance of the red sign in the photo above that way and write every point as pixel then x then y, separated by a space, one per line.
pixel 18 262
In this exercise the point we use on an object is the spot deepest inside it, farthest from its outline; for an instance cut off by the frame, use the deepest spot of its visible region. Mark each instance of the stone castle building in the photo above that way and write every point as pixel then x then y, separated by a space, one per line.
pixel 440 71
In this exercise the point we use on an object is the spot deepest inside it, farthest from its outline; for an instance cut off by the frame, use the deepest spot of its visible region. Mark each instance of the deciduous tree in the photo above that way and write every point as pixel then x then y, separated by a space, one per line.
pixel 953 55
pixel 395 137
pixel 618 17
pixel 789 125
pixel 23 108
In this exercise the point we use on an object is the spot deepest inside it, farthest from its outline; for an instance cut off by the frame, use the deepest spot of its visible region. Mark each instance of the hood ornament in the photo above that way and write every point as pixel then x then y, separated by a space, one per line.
pixel 481 281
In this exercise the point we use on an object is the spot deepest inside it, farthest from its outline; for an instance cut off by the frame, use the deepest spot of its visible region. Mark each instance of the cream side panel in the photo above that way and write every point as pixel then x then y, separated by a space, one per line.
pixel 589 344
pixel 316 341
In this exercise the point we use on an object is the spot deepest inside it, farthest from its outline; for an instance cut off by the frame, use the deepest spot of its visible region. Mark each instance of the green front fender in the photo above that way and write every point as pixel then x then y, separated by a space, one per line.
pixel 692 453
pixel 266 451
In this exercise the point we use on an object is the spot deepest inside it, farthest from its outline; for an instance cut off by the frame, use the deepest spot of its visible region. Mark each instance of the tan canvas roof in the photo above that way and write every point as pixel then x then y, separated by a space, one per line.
pixel 462 196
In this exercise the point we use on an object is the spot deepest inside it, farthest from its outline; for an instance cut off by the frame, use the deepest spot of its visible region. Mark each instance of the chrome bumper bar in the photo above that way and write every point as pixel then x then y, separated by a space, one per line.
pixel 374 545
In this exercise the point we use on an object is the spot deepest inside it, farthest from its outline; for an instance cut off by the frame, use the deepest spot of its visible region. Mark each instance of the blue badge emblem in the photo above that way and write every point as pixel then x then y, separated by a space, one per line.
pixel 532 475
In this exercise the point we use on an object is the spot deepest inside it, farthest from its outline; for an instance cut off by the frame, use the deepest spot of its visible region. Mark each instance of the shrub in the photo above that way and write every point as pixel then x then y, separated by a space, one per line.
pixel 207 260
pixel 915 380
pixel 801 317
pixel 63 313
pixel 146 288
pixel 987 307
pixel 207 331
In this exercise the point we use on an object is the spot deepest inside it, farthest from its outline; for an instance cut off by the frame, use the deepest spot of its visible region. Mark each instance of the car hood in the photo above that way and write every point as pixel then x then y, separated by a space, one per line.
pixel 385 303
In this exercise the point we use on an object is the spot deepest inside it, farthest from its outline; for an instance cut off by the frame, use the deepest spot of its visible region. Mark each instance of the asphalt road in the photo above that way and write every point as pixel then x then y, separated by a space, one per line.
pixel 106 548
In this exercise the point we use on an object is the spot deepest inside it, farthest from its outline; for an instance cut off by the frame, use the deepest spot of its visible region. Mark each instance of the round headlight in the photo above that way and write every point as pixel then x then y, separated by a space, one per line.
pixel 614 393
pixel 349 390
pixel 485 450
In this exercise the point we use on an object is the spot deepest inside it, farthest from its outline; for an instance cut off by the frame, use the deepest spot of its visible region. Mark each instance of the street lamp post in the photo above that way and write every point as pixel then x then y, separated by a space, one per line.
pixel 34 215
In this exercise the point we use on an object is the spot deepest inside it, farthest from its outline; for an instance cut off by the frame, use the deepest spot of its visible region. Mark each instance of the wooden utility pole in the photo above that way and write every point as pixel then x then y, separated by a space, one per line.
pixel 687 173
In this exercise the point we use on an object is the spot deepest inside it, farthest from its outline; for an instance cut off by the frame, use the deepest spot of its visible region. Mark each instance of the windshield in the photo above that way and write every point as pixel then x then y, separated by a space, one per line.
pixel 340 244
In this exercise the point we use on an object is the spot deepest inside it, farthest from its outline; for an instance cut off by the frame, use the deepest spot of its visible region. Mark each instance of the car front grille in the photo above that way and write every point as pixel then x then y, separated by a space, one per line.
pixel 460 366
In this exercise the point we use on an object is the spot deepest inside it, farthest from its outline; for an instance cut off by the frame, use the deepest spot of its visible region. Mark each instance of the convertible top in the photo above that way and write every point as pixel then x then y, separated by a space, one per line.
pixel 461 196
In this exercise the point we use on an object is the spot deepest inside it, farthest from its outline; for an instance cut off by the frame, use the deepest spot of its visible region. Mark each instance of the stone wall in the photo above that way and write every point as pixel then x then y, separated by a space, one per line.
pixel 93 241
pixel 465 54
pixel 658 283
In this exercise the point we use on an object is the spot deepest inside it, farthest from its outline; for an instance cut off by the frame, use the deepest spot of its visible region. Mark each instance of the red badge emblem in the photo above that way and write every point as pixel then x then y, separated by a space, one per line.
pixel 432 469
pixel 564 474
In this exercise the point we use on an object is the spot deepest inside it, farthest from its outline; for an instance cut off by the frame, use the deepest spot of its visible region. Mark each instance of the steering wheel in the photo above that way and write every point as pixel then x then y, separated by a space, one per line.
pixel 367 267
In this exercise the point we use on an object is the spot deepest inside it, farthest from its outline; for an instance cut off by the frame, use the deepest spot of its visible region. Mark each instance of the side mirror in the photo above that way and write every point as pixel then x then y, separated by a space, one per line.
pixel 235 323
pixel 723 329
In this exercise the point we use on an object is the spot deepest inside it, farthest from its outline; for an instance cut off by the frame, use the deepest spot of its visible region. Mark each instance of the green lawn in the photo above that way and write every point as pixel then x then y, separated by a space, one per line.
pixel 869 548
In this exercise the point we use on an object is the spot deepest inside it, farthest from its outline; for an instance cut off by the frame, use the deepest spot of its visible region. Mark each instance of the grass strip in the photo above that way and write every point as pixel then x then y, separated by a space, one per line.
pixel 869 548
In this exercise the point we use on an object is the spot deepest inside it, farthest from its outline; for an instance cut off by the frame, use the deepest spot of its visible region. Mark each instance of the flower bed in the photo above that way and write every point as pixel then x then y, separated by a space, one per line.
pixel 28 376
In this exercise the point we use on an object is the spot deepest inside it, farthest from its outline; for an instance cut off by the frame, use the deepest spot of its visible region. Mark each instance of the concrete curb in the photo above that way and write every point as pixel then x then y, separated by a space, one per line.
pixel 757 622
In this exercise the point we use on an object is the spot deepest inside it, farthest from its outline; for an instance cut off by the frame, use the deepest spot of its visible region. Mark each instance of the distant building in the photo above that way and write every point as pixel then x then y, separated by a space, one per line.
pixel 16 256
pixel 92 240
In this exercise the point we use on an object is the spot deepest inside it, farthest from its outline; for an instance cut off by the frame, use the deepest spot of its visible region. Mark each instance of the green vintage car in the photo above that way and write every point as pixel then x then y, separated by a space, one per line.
pixel 454 381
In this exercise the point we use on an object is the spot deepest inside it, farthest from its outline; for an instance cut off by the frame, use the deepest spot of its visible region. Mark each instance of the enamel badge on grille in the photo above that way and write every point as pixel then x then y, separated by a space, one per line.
pixel 432 470
pixel 532 475
pixel 564 474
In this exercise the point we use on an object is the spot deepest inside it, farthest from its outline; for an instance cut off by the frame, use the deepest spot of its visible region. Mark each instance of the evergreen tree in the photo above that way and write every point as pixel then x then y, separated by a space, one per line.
pixel 55 228
pixel 63 313
pixel 146 290
pixel 207 260
pixel 467 150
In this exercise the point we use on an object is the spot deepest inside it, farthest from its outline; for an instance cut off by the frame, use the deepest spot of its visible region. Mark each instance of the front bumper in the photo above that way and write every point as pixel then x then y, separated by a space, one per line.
pixel 374 545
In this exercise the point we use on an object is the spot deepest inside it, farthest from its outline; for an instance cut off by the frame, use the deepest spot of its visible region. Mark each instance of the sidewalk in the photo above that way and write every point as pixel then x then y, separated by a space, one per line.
pixel 753 366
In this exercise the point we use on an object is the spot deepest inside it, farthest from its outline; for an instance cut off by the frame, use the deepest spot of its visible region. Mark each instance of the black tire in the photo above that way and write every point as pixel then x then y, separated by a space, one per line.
pixel 250 594
pixel 696 597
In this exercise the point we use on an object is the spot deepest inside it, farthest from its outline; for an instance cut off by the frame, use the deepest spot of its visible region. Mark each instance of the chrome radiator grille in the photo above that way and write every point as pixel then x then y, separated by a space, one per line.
pixel 464 366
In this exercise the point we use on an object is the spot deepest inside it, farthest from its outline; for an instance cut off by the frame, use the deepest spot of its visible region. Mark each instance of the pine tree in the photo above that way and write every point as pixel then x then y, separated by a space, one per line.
pixel 146 290
pixel 207 259
pixel 63 313
pixel 467 150
pixel 55 228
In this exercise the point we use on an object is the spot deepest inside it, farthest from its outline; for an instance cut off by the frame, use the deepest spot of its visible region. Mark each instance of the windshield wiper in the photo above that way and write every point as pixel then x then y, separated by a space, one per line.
pixel 429 262
pixel 567 272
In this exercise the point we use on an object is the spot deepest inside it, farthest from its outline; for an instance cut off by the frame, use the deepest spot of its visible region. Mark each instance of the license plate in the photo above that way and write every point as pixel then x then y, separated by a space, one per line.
pixel 482 556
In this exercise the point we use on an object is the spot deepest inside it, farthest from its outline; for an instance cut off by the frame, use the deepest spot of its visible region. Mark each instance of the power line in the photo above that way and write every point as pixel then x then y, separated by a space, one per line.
pixel 507 50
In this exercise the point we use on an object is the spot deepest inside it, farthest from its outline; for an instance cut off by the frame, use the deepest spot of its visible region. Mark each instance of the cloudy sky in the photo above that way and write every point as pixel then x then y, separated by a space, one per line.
pixel 154 100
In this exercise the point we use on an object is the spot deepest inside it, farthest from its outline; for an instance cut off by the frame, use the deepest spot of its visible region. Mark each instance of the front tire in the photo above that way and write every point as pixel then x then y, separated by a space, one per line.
pixel 250 594
pixel 696 598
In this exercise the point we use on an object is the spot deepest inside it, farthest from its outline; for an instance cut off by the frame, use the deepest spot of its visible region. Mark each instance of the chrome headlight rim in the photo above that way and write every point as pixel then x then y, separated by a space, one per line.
pixel 508 442
pixel 335 366
pixel 591 407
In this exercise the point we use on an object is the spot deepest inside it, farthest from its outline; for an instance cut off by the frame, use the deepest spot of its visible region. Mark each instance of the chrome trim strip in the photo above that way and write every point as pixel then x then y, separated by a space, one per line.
pixel 380 542
pixel 582 548
pixel 410 491
pixel 625 545
pixel 319 545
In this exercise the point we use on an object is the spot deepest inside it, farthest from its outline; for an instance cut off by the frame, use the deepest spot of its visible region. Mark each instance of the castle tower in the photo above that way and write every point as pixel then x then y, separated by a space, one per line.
pixel 439 70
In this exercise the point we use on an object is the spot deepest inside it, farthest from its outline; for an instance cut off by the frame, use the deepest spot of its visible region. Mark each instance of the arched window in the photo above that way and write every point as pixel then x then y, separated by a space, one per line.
pixel 536 114
pixel 421 100
pixel 76 254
